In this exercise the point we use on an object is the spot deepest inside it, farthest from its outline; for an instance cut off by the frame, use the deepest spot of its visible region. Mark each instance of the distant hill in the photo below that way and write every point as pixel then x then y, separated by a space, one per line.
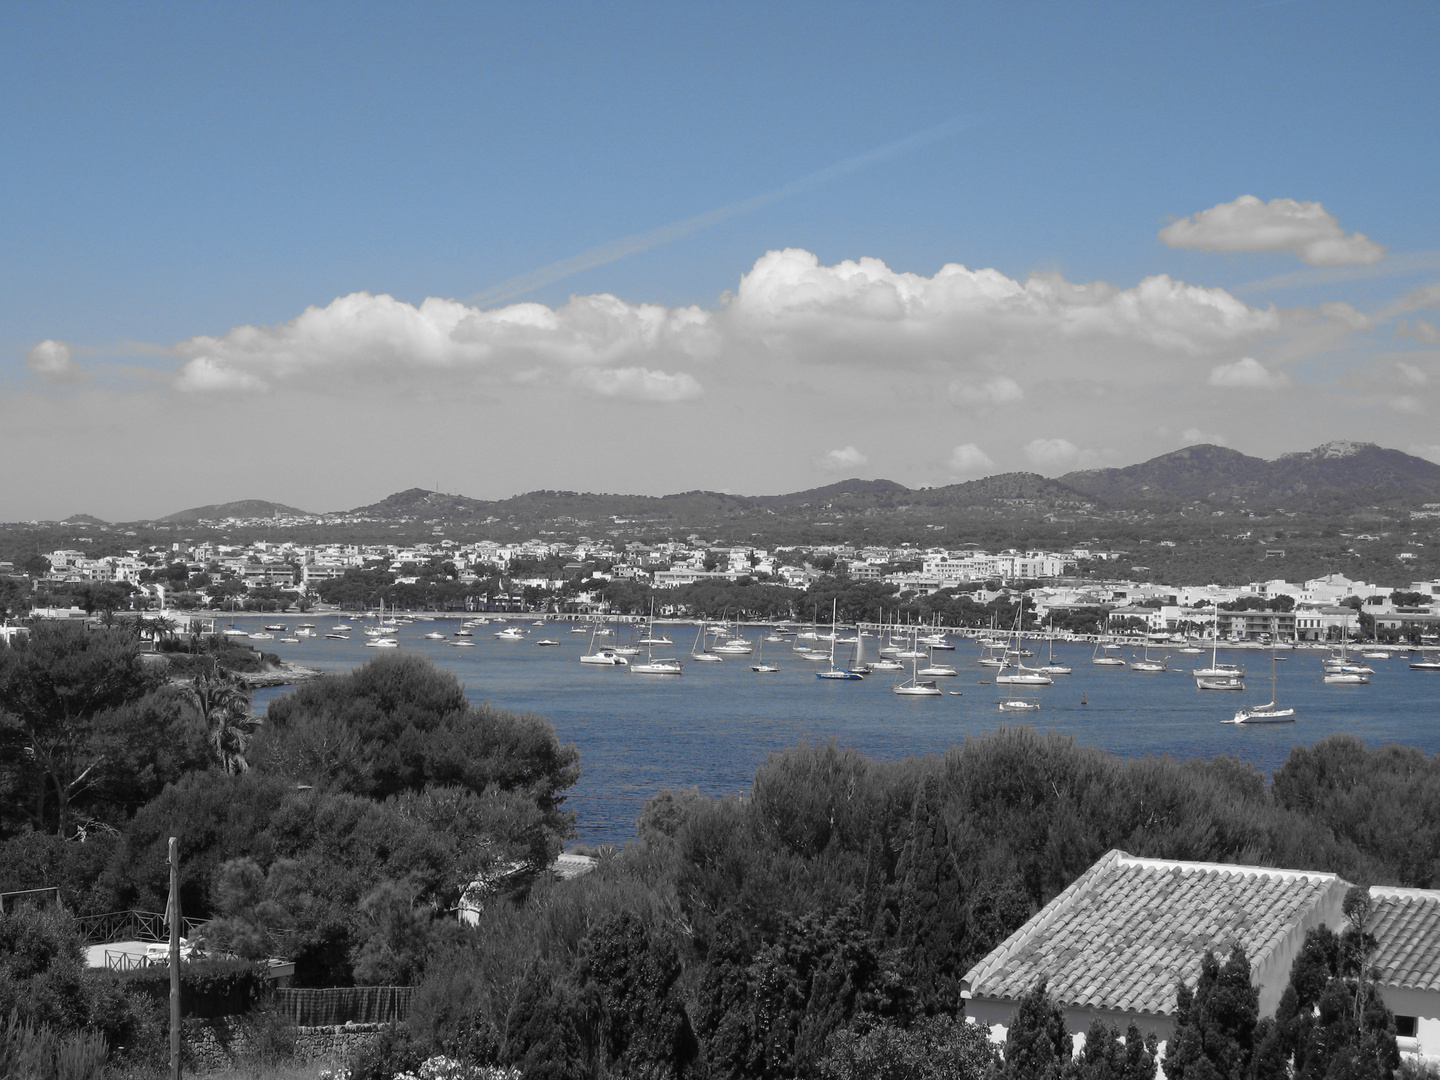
pixel 245 508
pixel 84 519
pixel 1336 477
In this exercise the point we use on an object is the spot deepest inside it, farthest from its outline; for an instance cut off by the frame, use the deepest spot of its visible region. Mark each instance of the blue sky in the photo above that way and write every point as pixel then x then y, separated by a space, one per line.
pixel 179 183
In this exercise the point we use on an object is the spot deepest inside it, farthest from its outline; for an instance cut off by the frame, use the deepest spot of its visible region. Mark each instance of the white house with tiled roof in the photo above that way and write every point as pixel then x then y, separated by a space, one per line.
pixel 1114 944
pixel 1406 925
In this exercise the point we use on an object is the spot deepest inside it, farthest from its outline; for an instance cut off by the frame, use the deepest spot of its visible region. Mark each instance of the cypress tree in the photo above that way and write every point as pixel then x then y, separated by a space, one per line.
pixel 1215 1024
pixel 1037 1046
pixel 932 914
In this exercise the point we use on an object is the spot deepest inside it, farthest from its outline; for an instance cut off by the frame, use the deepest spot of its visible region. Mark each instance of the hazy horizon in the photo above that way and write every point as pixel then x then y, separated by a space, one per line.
pixel 272 253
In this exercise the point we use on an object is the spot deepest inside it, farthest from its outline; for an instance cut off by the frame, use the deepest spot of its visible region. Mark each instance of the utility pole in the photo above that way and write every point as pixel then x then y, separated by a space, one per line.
pixel 173 910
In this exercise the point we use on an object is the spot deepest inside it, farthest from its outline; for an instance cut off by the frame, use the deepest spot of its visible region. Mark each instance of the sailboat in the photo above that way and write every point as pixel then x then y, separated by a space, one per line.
pixel 1050 667
pixel 1148 665
pixel 1217 670
pixel 837 672
pixel 913 687
pixel 699 652
pixel 1269 713
pixel 664 666
pixel 1101 659
pixel 1022 676
pixel 1340 669
pixel 767 667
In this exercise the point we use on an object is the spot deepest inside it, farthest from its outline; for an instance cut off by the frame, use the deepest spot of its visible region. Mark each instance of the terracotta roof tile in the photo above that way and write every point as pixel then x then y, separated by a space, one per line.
pixel 1406 925
pixel 1127 929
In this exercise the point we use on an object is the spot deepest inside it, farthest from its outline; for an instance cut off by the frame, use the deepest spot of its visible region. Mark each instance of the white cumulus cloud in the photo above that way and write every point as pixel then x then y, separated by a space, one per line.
pixel 845 458
pixel 363 338
pixel 968 460
pixel 1247 373
pixel 54 361
pixel 1054 455
pixel 1305 229
pixel 1411 375
pixel 1193 436
pixel 639 384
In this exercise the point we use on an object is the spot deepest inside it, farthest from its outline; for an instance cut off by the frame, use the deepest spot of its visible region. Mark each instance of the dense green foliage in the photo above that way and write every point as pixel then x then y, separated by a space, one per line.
pixel 818 926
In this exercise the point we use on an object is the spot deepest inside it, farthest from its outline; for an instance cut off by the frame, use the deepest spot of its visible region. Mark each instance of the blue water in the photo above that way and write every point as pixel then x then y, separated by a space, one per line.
pixel 712 726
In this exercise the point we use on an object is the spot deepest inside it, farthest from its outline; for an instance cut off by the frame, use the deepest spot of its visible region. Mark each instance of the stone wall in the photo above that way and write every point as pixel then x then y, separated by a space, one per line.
pixel 221 1043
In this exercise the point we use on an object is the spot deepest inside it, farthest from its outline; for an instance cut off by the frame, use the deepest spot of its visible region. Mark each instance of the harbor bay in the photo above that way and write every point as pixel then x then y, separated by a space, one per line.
pixel 712 727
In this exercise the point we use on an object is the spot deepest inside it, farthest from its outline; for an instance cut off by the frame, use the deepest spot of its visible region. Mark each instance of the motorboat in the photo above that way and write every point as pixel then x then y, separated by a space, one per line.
pixel 1345 678
pixel 261 635
pixel 464 633
pixel 1219 682
pixel 277 627
pixel 603 656
pixel 433 636
pixel 337 637
pixel 235 631
pixel 1019 705
pixel 461 643
pixel 885 663
pixel 545 641
pixel 382 643
pixel 302 632
pixel 734 647
pixel 510 633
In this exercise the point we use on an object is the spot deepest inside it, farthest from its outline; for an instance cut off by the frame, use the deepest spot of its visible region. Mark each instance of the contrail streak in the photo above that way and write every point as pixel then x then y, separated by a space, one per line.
pixel 666 234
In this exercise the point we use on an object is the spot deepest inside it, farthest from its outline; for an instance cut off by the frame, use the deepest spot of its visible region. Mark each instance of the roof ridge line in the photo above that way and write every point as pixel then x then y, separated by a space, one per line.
pixel 1040 919
pixel 1399 893
pixel 1229 868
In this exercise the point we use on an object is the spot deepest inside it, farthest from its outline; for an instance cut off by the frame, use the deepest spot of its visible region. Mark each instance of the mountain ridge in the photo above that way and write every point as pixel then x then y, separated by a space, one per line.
pixel 1334 477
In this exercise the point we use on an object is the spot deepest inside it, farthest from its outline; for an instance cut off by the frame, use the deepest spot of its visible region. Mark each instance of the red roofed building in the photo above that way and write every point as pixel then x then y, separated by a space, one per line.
pixel 1114 945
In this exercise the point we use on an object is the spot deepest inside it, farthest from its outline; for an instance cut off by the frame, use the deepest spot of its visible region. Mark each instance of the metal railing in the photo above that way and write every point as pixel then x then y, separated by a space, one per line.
pixel 131 924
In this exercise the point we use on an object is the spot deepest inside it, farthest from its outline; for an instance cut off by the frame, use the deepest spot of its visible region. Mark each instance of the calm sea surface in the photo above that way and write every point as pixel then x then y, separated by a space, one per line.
pixel 713 725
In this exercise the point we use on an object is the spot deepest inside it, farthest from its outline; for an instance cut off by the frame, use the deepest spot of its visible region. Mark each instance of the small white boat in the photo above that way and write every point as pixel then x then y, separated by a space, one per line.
pixel 937 671
pixel 545 642
pixel 886 664
pixel 343 628
pixel 578 630
pixel 605 658
pixel 235 631
pixel 1425 665
pixel 1345 678
pixel 767 667
pixel 261 635
pixel 304 633
pixel 1019 705
pixel 433 636
pixel 464 633
pixel 1269 713
pixel 278 628
pixel 661 666
pixel 511 633
pixel 461 644
pixel 1219 682
pixel 290 640
pixel 915 688
pixel 382 643
pixel 337 637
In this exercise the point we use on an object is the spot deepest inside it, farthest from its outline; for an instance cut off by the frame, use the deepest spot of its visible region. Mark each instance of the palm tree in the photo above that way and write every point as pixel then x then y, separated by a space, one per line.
pixel 223 701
